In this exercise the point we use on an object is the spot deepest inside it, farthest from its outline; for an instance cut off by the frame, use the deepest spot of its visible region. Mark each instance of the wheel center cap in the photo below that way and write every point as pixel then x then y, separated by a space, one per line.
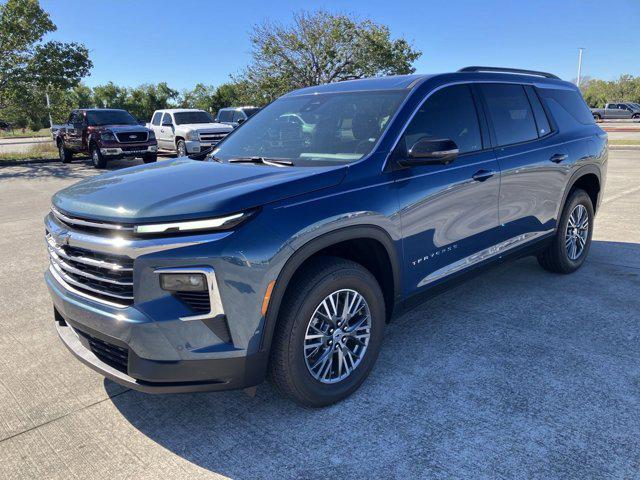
pixel 337 335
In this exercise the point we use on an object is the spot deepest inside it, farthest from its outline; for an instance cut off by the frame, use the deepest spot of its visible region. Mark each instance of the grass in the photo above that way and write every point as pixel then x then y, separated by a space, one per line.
pixel 27 133
pixel 623 142
pixel 38 151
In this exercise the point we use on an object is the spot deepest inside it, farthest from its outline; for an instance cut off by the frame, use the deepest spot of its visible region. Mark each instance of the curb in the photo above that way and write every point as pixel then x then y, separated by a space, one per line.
pixel 13 163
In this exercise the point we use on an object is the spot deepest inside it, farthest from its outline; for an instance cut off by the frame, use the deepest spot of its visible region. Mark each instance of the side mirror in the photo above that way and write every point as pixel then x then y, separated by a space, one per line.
pixel 430 151
pixel 241 121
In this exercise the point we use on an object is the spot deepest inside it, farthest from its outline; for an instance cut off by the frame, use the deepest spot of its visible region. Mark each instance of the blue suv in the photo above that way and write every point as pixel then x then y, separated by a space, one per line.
pixel 332 210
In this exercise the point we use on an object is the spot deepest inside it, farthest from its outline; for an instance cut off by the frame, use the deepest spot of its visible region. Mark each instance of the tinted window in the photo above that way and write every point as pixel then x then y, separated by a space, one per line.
pixel 167 119
pixel 449 113
pixel 156 118
pixel 510 113
pixel 570 101
pixel 237 116
pixel 110 117
pixel 250 111
pixel 542 122
pixel 225 115
pixel 192 117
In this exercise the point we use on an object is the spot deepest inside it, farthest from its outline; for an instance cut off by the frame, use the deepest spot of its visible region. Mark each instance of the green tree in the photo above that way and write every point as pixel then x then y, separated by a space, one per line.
pixel 26 59
pixel 202 97
pixel 321 47
pixel 145 99
pixel 110 96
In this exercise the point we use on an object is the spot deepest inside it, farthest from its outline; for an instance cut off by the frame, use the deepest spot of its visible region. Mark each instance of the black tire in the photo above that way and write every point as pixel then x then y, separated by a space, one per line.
pixel 97 158
pixel 287 367
pixel 555 258
pixel 597 117
pixel 150 157
pixel 64 153
pixel 636 116
pixel 181 148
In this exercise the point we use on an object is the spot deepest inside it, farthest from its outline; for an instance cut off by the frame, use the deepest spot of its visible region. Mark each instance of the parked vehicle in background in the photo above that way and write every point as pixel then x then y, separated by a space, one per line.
pixel 186 130
pixel 105 134
pixel 616 111
pixel 6 126
pixel 287 252
pixel 234 116
pixel 54 129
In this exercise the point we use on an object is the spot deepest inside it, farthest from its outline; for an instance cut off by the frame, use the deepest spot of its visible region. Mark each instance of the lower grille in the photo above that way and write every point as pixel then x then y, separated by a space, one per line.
pixel 113 355
pixel 198 301
pixel 102 276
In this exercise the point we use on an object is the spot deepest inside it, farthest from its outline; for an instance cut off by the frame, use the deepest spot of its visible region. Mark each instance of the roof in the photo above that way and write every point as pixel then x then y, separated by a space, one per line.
pixel 178 110
pixel 399 82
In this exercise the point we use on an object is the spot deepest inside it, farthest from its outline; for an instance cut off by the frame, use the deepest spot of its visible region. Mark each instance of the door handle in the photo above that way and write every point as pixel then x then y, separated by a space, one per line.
pixel 482 175
pixel 558 157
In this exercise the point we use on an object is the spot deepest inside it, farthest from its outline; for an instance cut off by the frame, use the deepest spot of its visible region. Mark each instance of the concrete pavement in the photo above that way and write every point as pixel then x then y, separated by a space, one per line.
pixel 515 374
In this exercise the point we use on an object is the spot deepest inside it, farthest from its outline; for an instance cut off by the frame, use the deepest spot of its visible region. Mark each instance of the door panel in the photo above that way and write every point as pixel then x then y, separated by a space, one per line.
pixel 166 136
pixel 447 216
pixel 449 212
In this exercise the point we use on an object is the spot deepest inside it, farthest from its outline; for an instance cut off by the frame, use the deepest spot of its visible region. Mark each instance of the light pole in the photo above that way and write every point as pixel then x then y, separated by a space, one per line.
pixel 580 50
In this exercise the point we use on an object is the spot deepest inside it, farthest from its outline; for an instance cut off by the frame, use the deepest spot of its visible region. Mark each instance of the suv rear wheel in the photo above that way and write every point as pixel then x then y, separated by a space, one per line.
pixel 65 154
pixel 96 157
pixel 571 244
pixel 329 332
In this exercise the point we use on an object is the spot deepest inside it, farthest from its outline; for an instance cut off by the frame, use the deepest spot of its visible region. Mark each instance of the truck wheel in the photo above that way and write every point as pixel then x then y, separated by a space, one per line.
pixel 65 154
pixel 572 240
pixel 329 332
pixel 636 116
pixel 181 148
pixel 96 157
pixel 597 117
pixel 150 157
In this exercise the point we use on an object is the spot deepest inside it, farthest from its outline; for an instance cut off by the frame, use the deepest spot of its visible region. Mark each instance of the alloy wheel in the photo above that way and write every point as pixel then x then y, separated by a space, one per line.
pixel 337 336
pixel 94 156
pixel 577 232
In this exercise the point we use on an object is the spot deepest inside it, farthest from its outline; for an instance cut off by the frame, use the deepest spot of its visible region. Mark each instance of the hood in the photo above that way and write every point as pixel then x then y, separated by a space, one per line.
pixel 209 127
pixel 188 189
pixel 121 128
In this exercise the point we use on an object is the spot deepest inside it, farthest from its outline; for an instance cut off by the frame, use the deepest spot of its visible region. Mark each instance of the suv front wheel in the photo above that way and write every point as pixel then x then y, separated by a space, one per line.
pixel 329 332
pixel 572 241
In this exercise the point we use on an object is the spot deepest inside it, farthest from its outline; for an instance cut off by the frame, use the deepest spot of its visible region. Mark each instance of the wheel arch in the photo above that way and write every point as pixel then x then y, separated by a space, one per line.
pixel 337 243
pixel 587 178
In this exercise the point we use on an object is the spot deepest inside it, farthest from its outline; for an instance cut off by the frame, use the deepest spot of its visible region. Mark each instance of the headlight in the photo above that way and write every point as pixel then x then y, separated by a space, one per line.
pixel 193 135
pixel 218 223
pixel 152 135
pixel 107 137
pixel 183 282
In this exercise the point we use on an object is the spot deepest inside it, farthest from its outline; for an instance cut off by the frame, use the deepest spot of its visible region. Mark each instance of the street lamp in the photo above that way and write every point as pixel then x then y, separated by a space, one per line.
pixel 580 50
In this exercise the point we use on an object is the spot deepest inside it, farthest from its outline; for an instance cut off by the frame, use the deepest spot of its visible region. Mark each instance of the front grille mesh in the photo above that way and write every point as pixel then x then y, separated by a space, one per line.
pixel 113 355
pixel 103 276
pixel 131 137
pixel 212 137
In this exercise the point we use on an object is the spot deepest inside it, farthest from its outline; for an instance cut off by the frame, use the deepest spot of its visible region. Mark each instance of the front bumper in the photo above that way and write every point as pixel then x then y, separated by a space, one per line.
pixel 197 146
pixel 128 151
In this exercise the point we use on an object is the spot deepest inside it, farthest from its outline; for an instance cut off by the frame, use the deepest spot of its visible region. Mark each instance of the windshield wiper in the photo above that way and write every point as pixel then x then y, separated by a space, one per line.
pixel 263 160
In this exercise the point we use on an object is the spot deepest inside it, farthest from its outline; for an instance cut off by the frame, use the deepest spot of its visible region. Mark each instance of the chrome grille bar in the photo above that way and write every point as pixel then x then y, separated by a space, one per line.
pixel 69 268
pixel 89 223
pixel 76 283
pixel 86 260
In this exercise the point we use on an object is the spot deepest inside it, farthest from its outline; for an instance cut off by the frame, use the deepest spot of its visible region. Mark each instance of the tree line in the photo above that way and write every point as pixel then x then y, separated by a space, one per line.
pixel 315 47
pixel 599 92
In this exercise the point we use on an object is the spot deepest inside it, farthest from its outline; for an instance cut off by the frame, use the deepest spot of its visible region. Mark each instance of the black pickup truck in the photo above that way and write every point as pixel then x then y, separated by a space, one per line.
pixel 105 134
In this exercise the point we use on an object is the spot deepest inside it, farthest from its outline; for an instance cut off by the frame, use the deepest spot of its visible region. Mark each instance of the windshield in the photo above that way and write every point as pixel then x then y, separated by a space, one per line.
pixel 315 129
pixel 110 117
pixel 192 117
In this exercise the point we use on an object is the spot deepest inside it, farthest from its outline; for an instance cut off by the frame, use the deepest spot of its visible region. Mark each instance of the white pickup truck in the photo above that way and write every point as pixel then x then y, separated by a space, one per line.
pixel 186 130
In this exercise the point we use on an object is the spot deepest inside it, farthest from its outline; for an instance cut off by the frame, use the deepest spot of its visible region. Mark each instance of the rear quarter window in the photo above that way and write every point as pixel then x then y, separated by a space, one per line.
pixel 563 101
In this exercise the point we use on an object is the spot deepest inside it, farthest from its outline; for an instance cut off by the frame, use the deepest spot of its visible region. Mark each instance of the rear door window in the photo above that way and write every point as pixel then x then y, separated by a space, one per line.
pixel 510 112
pixel 451 114
pixel 542 122
pixel 237 116
pixel 167 119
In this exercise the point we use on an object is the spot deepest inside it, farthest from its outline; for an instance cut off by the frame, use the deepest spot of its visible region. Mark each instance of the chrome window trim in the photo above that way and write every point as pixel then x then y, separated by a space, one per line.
pixel 215 302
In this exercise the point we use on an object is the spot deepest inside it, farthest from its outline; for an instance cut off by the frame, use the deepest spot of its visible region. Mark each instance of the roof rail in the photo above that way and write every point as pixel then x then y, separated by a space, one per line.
pixel 509 70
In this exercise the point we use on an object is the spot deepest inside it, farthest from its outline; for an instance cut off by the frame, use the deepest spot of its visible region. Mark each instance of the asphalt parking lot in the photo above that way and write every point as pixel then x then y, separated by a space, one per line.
pixel 516 374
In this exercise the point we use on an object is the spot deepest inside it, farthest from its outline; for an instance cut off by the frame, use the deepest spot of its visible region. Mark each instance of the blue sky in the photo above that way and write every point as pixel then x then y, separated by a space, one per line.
pixel 185 42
